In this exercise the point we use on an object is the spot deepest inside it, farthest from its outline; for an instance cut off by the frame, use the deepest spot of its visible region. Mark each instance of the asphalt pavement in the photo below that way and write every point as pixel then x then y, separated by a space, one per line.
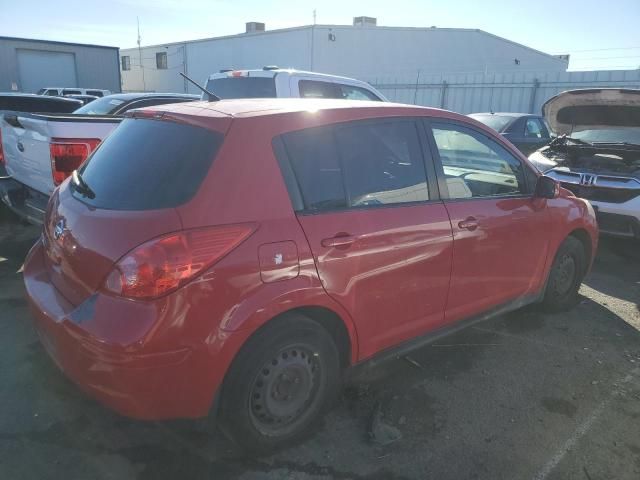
pixel 523 396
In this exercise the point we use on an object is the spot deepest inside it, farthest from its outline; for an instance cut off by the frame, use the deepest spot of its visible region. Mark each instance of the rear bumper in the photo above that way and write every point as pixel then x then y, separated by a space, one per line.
pixel 26 202
pixel 146 385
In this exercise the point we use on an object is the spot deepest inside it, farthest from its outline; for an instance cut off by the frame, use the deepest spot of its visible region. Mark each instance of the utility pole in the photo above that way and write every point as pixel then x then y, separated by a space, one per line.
pixel 144 84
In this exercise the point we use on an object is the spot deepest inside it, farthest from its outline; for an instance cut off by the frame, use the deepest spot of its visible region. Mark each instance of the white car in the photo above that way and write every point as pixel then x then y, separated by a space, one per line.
pixel 597 153
pixel 274 82
pixel 61 92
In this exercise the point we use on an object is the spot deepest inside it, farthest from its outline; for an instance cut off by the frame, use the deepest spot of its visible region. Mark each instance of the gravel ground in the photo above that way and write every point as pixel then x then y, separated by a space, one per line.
pixel 522 396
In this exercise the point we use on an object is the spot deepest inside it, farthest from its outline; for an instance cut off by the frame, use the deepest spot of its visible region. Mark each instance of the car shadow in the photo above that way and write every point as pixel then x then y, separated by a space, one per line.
pixel 615 272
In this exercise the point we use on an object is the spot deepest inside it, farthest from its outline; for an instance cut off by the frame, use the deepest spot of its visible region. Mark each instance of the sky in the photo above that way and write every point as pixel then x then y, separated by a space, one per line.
pixel 597 34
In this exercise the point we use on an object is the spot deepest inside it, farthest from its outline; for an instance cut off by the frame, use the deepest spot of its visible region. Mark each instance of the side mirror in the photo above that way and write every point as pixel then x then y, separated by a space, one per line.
pixel 546 187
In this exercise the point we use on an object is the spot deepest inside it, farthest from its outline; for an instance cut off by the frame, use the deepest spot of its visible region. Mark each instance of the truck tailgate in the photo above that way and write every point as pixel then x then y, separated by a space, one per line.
pixel 26 139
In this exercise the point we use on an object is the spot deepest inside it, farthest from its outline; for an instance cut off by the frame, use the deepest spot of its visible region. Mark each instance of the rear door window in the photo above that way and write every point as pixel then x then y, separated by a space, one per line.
pixel 383 163
pixel 351 92
pixel 316 89
pixel 67 91
pixel 360 164
pixel 316 165
pixel 243 87
pixel 341 91
pixel 149 164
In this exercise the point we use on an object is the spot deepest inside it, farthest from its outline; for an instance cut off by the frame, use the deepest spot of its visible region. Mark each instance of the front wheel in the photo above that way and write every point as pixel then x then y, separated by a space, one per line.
pixel 567 271
pixel 279 384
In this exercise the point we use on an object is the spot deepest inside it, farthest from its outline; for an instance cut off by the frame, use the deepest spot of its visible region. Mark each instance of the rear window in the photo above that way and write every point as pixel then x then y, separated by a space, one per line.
pixel 149 164
pixel 243 87
pixel 497 122
pixel 101 106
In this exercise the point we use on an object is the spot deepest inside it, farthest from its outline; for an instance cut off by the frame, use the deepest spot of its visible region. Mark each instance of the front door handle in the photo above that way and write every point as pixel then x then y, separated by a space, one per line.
pixel 338 241
pixel 469 223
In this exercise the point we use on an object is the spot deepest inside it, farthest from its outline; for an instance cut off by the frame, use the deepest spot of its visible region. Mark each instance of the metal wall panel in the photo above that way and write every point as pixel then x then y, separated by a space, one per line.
pixel 96 66
pixel 378 54
pixel 500 92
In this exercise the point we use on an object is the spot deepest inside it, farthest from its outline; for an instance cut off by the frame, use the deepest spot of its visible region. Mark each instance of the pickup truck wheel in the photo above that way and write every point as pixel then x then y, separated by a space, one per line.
pixel 565 277
pixel 279 384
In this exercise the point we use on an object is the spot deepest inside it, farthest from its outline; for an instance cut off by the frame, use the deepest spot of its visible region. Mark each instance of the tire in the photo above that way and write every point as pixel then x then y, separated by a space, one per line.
pixel 566 274
pixel 282 380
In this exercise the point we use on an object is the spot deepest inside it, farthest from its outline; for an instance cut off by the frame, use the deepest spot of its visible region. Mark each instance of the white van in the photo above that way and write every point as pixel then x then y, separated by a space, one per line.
pixel 61 92
pixel 274 82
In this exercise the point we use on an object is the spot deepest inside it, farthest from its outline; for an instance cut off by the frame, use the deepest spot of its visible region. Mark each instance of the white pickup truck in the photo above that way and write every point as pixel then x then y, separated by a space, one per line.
pixel 41 150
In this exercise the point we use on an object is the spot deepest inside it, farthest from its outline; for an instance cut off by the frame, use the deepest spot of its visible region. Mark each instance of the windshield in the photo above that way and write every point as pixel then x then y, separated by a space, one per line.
pixel 243 87
pixel 609 135
pixel 497 122
pixel 101 106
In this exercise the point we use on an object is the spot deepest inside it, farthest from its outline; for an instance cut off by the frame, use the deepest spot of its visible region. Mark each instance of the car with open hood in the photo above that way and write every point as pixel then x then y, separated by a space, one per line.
pixel 597 153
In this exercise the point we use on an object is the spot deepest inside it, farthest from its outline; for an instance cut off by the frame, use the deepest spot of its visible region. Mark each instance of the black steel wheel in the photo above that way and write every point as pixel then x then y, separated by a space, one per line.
pixel 279 384
pixel 567 271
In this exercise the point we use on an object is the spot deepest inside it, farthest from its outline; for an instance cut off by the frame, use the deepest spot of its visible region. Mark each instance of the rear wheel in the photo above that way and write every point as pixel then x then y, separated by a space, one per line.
pixel 279 384
pixel 565 277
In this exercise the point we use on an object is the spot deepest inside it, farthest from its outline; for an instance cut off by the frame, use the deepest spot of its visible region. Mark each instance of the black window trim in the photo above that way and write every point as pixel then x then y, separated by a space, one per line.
pixel 130 105
pixel 293 186
pixel 435 154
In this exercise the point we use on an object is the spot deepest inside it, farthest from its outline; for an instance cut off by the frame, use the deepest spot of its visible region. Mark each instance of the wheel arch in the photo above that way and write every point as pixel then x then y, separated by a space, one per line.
pixel 585 239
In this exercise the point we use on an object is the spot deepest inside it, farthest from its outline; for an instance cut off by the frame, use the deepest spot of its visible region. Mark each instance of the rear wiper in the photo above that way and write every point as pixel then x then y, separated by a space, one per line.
pixel 82 186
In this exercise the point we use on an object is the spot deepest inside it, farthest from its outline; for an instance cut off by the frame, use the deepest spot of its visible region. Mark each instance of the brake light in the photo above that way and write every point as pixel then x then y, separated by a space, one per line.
pixel 67 154
pixel 166 263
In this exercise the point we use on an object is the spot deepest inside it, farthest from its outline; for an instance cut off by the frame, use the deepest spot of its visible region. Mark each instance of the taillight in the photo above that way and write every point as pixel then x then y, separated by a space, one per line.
pixel 67 154
pixel 166 263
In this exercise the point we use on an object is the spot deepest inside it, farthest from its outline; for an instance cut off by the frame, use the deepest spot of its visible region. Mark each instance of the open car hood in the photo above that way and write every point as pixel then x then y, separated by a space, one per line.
pixel 592 109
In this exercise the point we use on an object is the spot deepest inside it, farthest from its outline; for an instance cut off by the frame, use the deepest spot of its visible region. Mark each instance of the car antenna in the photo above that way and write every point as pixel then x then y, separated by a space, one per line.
pixel 212 97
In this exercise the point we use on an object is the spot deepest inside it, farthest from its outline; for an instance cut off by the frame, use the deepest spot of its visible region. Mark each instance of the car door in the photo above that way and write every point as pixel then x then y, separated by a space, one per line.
pixel 499 230
pixel 380 236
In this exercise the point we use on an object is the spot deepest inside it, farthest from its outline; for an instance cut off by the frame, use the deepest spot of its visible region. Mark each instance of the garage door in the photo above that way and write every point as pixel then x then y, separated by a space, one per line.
pixel 40 68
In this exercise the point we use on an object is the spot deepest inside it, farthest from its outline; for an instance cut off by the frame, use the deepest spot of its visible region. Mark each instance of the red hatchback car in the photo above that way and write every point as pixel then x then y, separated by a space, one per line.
pixel 233 258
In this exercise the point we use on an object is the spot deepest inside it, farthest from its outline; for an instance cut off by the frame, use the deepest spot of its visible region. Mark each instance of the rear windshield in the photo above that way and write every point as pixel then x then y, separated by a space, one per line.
pixel 243 87
pixel 101 106
pixel 497 122
pixel 149 164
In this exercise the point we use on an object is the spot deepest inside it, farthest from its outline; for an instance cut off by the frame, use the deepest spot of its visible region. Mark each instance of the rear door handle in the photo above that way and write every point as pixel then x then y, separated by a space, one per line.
pixel 469 223
pixel 338 241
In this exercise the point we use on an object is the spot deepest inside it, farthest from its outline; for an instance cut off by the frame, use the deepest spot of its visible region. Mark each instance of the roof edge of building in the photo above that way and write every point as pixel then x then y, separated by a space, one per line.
pixel 302 27
pixel 58 42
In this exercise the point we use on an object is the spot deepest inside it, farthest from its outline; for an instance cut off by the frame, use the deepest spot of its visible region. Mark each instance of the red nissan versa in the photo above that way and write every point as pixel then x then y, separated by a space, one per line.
pixel 235 257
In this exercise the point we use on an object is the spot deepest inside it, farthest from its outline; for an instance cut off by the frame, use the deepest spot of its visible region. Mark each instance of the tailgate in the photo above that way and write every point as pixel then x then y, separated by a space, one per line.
pixel 26 139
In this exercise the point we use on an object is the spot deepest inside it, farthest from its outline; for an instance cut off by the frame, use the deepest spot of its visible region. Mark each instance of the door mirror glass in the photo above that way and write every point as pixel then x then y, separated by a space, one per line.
pixel 547 187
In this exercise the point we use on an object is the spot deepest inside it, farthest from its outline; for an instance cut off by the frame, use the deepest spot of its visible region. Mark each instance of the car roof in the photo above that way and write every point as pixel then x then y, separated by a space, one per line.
pixel 256 107
pixel 287 71
pixel 139 95
pixel 505 114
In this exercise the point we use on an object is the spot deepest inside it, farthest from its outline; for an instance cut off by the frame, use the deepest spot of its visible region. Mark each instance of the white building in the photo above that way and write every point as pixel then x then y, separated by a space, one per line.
pixel 363 50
